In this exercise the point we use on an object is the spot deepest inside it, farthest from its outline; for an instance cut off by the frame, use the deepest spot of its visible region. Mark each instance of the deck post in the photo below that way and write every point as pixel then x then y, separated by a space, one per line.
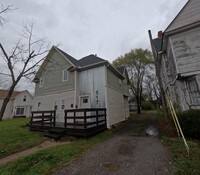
pixel 42 118
pixel 54 118
pixel 65 124
pixel 85 119
pixel 74 116
pixel 31 118
pixel 97 117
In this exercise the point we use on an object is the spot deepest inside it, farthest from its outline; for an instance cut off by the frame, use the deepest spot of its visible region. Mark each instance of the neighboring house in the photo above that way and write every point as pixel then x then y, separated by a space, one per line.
pixel 132 106
pixel 177 55
pixel 20 104
pixel 63 82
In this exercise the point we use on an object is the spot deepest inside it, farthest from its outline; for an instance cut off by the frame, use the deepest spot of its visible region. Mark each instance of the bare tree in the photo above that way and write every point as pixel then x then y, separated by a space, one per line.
pixel 138 63
pixel 23 60
pixel 3 10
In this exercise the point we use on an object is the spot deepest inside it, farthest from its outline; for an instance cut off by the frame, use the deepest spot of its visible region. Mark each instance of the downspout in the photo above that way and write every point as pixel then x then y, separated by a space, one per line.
pixel 75 88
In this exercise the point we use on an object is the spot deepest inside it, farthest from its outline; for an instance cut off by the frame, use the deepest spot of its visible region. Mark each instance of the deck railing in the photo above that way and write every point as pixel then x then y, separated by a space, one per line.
pixel 85 118
pixel 43 117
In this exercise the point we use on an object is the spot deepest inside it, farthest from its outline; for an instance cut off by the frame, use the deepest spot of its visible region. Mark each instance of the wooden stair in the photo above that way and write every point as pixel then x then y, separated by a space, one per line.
pixel 54 133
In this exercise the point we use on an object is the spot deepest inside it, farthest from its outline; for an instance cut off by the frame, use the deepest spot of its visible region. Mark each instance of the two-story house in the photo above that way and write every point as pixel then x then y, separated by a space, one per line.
pixel 177 54
pixel 19 105
pixel 63 82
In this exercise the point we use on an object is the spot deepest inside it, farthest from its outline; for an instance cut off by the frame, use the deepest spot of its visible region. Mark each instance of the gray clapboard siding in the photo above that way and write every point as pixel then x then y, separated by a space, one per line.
pixel 190 14
pixel 53 76
pixel 113 81
pixel 116 107
pixel 186 47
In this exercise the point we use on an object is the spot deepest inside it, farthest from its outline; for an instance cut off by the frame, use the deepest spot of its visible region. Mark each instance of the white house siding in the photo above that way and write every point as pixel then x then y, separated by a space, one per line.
pixel 19 102
pixel 116 107
pixel 186 51
pixel 9 109
pixel 48 103
pixel 92 83
pixel 117 101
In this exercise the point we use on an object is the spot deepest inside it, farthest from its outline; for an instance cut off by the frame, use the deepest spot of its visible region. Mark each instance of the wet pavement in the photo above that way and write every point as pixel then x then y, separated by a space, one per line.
pixel 123 154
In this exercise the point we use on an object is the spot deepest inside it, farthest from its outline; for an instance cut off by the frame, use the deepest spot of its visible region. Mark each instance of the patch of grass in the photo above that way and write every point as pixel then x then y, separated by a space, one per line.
pixel 15 137
pixel 49 160
pixel 186 165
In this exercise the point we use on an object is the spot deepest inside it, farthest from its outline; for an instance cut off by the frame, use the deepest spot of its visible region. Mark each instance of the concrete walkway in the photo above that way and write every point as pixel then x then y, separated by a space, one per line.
pixel 15 156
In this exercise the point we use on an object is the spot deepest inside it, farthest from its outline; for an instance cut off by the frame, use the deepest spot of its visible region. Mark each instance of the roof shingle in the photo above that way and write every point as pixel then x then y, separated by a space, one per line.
pixel 3 93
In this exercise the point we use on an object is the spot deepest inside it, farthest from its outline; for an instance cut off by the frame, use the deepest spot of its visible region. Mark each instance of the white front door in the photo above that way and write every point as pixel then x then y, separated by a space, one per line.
pixel 85 102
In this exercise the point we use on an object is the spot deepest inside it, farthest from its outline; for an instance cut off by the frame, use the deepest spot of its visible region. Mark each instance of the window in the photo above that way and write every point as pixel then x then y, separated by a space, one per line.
pixel 38 105
pixel 20 111
pixel 41 81
pixel 65 75
pixel 120 82
pixel 194 91
pixel 56 104
pixel 125 84
pixel 85 100
pixel 62 105
pixel 24 99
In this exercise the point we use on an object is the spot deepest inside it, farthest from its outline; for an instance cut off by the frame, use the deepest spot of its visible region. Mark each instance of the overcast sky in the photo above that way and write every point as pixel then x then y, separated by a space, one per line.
pixel 108 28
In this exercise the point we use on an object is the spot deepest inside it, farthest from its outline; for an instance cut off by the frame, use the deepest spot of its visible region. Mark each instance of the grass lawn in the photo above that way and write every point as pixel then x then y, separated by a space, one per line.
pixel 15 137
pixel 49 160
pixel 185 165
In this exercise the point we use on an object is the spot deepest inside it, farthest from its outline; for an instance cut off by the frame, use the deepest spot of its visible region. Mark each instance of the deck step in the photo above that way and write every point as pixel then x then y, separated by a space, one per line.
pixel 54 133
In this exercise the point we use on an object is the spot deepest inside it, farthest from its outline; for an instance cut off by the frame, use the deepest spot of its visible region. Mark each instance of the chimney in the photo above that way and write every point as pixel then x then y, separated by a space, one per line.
pixel 160 34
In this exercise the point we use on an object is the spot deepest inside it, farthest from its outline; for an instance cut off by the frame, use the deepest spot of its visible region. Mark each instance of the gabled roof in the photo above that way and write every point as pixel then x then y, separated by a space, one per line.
pixel 69 57
pixel 82 64
pixel 3 93
pixel 121 69
pixel 89 60
pixel 188 15
pixel 157 43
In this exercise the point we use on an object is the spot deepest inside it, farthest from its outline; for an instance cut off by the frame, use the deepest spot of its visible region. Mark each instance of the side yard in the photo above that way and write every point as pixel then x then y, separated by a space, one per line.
pixel 185 165
pixel 14 136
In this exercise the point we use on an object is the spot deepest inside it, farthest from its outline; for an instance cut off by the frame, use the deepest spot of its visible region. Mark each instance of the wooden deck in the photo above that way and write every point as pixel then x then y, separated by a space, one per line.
pixel 77 122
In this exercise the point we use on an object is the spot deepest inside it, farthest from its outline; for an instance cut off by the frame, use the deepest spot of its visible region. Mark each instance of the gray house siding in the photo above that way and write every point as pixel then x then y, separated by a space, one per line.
pixel 114 81
pixel 53 74
pixel 89 86
pixel 186 48
pixel 189 14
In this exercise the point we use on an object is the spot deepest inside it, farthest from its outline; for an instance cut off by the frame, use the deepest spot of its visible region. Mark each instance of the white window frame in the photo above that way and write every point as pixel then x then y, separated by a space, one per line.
pixel 41 82
pixel 62 104
pixel 197 91
pixel 20 107
pixel 63 75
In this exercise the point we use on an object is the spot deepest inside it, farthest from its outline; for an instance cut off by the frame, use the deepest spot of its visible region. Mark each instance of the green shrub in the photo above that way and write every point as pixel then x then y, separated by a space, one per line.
pixel 147 105
pixel 190 123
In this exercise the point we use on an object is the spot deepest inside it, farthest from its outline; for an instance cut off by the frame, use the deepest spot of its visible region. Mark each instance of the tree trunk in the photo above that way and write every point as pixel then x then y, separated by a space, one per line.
pixel 138 105
pixel 6 100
